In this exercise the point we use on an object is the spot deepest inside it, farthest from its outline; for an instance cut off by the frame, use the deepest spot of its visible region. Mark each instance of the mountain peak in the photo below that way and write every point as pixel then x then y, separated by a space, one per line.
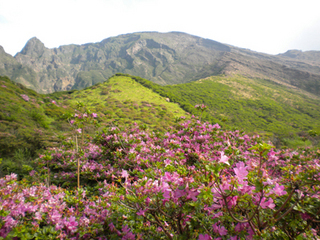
pixel 33 48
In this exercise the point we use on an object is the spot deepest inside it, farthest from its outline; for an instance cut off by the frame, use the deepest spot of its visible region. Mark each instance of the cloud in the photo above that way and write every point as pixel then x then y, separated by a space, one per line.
pixel 3 20
pixel 308 38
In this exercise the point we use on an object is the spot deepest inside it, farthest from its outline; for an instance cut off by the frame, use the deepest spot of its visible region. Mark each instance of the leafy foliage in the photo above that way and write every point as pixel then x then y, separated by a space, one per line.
pixel 196 181
pixel 254 105
pixel 31 122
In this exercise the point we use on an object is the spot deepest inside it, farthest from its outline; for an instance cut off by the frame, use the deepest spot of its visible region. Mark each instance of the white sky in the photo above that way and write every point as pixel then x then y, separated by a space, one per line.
pixel 272 26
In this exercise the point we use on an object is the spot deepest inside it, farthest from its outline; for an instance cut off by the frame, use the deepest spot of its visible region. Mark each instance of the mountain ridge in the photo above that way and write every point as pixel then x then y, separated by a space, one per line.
pixel 164 58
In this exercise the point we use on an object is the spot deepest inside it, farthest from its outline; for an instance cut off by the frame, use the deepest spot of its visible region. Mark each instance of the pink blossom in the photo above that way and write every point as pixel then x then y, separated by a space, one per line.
pixel 94 115
pixel 264 204
pixel 221 230
pixel 142 212
pixel 223 158
pixel 204 237
pixel 179 193
pixel 241 171
pixel 112 227
pixel 124 174
pixel 71 224
pixel 38 216
pixel 279 190
pixel 79 130
pixel 192 194
pixel 127 233
pixel 167 162
pixel 25 97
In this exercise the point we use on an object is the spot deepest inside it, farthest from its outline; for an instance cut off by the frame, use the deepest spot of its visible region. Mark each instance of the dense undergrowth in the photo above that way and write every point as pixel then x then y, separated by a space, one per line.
pixel 31 122
pixel 187 180
pixel 196 181
pixel 259 106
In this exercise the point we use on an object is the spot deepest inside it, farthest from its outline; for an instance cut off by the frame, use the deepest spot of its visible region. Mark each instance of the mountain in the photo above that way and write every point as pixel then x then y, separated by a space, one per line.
pixel 19 73
pixel 163 58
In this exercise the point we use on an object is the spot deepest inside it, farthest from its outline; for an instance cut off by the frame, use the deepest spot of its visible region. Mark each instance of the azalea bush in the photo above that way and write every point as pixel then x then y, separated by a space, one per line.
pixel 196 181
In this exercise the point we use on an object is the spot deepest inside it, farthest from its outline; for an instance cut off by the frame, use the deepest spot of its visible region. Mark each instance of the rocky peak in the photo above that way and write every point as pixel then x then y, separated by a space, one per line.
pixel 33 48
pixel 4 57
pixel 2 52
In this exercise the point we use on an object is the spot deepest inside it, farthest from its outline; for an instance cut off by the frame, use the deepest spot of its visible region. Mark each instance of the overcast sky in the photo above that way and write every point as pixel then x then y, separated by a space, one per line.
pixel 272 26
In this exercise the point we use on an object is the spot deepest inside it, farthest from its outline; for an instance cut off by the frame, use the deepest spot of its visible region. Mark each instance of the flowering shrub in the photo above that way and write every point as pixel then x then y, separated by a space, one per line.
pixel 194 182
pixel 25 97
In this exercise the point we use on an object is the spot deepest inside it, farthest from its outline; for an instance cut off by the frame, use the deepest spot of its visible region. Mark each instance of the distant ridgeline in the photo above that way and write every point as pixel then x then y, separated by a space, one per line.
pixel 163 58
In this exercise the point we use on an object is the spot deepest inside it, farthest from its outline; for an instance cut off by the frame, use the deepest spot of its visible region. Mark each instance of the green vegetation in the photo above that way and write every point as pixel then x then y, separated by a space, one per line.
pixel 254 105
pixel 31 122
pixel 121 99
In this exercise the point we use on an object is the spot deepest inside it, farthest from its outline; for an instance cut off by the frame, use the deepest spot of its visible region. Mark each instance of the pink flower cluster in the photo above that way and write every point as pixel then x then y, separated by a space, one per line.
pixel 25 97
pixel 196 181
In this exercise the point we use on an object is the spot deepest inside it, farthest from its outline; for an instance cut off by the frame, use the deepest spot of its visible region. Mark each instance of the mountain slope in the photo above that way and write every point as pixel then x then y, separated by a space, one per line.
pixel 163 58
pixel 254 105
pixel 31 121
pixel 18 72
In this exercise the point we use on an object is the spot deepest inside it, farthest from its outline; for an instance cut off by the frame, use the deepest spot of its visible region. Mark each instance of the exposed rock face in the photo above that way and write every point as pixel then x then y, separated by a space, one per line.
pixel 164 58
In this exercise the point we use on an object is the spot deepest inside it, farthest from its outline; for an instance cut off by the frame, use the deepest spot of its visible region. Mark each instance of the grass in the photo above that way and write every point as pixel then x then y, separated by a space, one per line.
pixel 256 106
pixel 253 105
pixel 122 99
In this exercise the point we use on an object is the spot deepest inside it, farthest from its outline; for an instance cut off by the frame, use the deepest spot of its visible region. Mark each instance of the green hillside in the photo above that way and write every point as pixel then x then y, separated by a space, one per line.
pixel 30 121
pixel 254 105
pixel 122 100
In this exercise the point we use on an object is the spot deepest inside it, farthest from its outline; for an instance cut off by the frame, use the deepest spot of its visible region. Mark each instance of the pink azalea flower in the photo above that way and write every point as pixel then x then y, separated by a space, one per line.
pixel 179 193
pixel 112 227
pixel 264 204
pixel 279 190
pixel 142 212
pixel 167 162
pixel 224 159
pixel 204 237
pixel 79 130
pixel 72 224
pixel 241 171
pixel 124 174
pixel 94 115
pixel 193 195
pixel 216 126
pixel 220 230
